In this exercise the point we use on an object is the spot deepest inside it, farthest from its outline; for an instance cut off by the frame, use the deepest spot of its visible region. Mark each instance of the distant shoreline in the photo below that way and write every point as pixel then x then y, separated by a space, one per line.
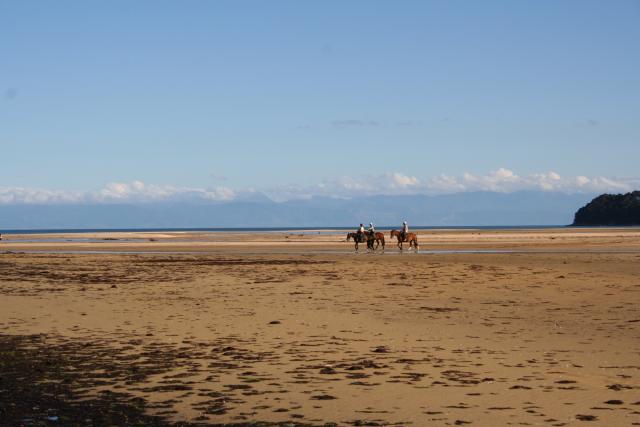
pixel 299 229
pixel 281 229
pixel 277 229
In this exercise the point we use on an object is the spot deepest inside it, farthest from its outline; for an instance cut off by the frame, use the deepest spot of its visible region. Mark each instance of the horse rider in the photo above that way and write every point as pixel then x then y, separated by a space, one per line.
pixel 405 230
pixel 361 233
pixel 371 229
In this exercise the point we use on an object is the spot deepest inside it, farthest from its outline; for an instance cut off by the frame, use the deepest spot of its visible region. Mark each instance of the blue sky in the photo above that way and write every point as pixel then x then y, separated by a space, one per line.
pixel 286 95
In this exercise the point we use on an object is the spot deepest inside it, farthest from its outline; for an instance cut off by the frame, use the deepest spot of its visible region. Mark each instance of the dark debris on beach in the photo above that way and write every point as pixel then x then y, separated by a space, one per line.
pixel 43 383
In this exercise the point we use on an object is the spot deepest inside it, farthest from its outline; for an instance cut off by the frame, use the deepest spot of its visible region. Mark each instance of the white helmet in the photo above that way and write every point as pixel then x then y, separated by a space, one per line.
pixel 370 223
pixel 404 222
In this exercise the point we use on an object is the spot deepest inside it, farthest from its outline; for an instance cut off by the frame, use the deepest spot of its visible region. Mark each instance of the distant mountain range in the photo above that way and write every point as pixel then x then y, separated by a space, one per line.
pixel 477 208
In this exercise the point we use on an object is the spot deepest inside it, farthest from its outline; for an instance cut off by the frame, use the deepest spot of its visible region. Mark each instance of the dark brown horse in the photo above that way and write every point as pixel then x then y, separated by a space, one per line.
pixel 378 239
pixel 412 238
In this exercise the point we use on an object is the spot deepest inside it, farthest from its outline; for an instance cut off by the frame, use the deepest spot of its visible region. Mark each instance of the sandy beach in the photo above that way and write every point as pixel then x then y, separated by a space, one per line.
pixel 295 328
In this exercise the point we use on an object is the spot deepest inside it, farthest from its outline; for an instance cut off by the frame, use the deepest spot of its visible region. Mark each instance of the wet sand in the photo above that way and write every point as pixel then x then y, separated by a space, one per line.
pixel 296 329
pixel 296 242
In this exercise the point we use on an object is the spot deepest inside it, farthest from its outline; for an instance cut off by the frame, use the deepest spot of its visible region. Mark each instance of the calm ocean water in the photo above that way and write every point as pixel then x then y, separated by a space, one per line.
pixel 281 229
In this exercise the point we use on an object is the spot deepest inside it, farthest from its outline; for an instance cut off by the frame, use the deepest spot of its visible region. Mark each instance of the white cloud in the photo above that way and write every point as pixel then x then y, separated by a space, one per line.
pixel 133 192
pixel 347 186
pixel 506 181
pixel 392 183
pixel 501 180
pixel 18 195
pixel 397 180
pixel 138 191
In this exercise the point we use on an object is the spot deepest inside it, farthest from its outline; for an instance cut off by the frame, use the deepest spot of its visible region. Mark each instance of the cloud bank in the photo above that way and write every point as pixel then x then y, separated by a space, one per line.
pixel 116 192
pixel 501 181
pixel 392 183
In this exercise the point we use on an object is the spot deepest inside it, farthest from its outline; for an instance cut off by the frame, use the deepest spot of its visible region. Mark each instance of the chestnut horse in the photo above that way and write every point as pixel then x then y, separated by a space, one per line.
pixel 412 238
pixel 379 238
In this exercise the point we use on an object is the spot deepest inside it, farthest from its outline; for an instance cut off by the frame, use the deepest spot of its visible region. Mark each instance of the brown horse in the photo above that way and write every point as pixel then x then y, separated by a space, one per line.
pixel 378 239
pixel 412 238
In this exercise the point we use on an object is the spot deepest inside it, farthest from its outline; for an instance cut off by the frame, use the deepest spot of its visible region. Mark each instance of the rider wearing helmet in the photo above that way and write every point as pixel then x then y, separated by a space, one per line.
pixel 371 231
pixel 405 230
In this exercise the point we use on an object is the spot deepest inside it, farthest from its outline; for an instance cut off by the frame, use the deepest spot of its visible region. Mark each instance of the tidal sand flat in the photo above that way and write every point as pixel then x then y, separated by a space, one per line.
pixel 256 330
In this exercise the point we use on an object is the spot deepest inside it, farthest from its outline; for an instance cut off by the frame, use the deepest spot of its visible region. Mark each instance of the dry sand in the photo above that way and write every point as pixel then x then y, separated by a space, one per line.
pixel 296 328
